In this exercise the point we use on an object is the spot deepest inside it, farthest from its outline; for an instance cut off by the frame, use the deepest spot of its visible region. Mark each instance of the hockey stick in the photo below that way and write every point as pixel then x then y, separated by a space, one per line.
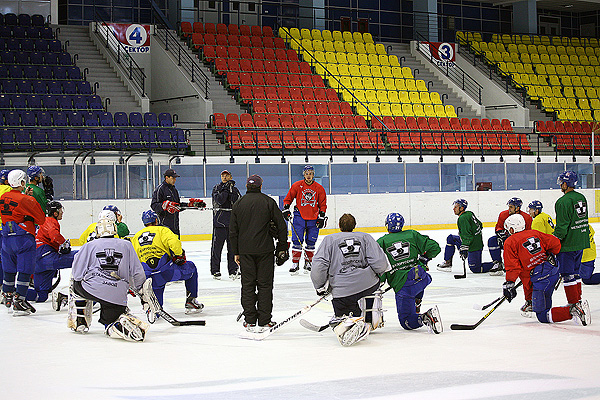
pixel 317 328
pixel 301 244
pixel 480 307
pixel 55 284
pixel 166 316
pixel 460 327
pixel 264 334
pixel 464 275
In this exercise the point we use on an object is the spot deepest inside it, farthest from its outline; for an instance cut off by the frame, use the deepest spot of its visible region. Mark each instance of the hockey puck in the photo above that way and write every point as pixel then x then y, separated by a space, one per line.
pixel 459 276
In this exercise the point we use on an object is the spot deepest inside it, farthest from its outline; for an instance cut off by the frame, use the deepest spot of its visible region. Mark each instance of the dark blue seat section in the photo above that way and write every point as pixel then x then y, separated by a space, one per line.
pixel 121 119
pixel 136 119
pixel 165 120
pixel 150 119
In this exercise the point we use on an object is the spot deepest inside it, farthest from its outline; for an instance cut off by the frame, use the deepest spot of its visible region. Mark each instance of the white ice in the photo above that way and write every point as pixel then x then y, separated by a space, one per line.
pixel 507 356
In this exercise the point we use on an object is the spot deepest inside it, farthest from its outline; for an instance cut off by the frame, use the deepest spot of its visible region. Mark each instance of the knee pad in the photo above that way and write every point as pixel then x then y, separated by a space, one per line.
pixel 350 330
pixel 127 327
pixel 542 316
pixel 79 316
pixel 374 314
pixel 569 279
pixel 149 300
pixel 586 269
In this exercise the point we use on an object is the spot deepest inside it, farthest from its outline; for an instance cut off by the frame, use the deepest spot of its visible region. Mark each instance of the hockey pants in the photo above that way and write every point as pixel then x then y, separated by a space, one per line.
pixel 569 264
pixel 586 271
pixel 349 305
pixel 495 248
pixel 167 271
pixel 18 261
pixel 453 242
pixel 47 263
pixel 405 298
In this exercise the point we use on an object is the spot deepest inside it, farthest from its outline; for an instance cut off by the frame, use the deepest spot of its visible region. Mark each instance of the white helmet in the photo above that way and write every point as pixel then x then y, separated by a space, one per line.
pixel 515 221
pixel 107 214
pixel 106 228
pixel 16 178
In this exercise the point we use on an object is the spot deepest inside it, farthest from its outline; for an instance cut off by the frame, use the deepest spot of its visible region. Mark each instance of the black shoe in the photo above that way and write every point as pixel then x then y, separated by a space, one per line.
pixel 294 270
pixel 217 276
pixel 250 327
pixel 266 327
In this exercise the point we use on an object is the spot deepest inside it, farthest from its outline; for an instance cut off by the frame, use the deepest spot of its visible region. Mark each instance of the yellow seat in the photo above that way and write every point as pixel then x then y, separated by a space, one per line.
pixel 584 104
pixel 540 69
pixel 373 59
pixel 568 91
pixel 305 34
pixel 354 70
pixel 360 48
pixel 425 99
pixel 506 39
pixel 542 80
pixel 550 69
pixel 362 110
pixel 358 37
pixel 349 47
pixel 421 85
pixel 551 49
pixel 386 71
pixel 380 49
pixel 371 96
pixel 320 69
pixel 414 97
pixel 564 59
pixel 367 37
pixel 365 70
pixel 484 46
pixel 318 45
pixel 580 51
pixel 374 109
pixel 429 111
pixel 560 69
pixel 319 56
pixel 337 36
pixel 397 72
pixel 339 46
pixel 407 110
pixel 435 98
pixel 578 115
pixel 326 35
pixel 363 59
pixel 511 68
pixel 580 70
pixel 583 60
pixel 476 46
pixel 576 80
pixel 403 97
pixel 574 59
pixel 595 104
pixel 580 92
pixel 545 59
pixel 525 39
pixel 514 57
pixel 385 109
pixel 512 48
pixel 340 57
pixel 401 85
pixel 536 40
pixel 520 68
pixel 535 58
pixel 586 81
pixel 556 92
pixel 379 83
pixel 376 71
pixel 295 33
pixel 597 68
pixel 407 73
pixel 352 58
pixel 440 111
pixel 593 42
pixel 587 115
pixel 393 96
pixel 357 82
pixel 347 36
pixel 397 110
pixel 525 59
pixel 560 50
pixel 330 57
pixel 394 61
pixel 384 59
pixel 594 60
pixel 548 91
pixel 591 92
pixel 545 40
pixel 368 83
pixel 522 49
pixel 370 48
pixel 316 34
pixel 500 48
pixel 382 96
pixel 346 82
pixel 532 48
pixel 411 85
pixel 450 111
pixel 328 45
pixel 570 70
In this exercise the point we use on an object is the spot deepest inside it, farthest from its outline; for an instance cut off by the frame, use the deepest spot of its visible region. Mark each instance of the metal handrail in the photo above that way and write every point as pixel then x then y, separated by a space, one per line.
pixel 456 74
pixel 171 43
pixel 116 49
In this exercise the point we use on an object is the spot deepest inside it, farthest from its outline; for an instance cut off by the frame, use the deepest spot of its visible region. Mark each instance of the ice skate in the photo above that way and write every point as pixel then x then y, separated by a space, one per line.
pixel 294 270
pixel 235 275
pixel 581 310
pixel 7 300
pixel 59 300
pixel 192 305
pixel 445 266
pixel 350 330
pixel 307 266
pixel 497 269
pixel 21 306
pixel 527 309
pixel 217 276
pixel 432 320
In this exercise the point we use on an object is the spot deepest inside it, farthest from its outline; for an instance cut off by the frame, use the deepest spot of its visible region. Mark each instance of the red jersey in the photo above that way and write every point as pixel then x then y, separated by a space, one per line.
pixel 49 234
pixel 310 199
pixel 525 250
pixel 504 214
pixel 22 209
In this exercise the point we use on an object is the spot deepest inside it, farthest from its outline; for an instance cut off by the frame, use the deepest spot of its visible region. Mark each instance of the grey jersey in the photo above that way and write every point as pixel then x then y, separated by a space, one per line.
pixel 96 260
pixel 350 261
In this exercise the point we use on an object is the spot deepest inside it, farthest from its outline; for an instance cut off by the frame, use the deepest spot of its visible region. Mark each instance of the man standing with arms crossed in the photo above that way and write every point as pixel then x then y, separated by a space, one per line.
pixel 309 216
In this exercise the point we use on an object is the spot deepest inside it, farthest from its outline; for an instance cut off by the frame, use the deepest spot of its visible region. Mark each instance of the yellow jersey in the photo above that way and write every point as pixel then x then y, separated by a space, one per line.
pixel 155 241
pixel 589 254
pixel 3 189
pixel 543 223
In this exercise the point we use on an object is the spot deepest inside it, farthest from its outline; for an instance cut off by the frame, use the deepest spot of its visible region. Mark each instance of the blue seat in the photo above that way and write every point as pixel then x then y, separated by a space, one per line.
pixel 136 119
pixel 32 32
pixel 34 102
pixel 64 58
pixel 45 72
pixel 24 86
pixel 50 58
pixel 49 102
pixel 9 86
pixel 21 57
pixel 86 139
pixel 59 72
pixel 46 33
pixel 165 119
pixel 5 102
pixel 80 103
pixel 3 71
pixel 38 20
pixel 18 32
pixel 36 58
pixel 7 57
pixel 103 139
pixel 95 102
pixel 15 71
pixel 132 138
pixel 149 139
pixel 24 20
pixel 11 118
pixel 5 31
pixel 75 119
pixel 106 119
pixel 91 119
pixel 69 87
pixel 54 87
pixel 54 45
pixel 28 118
pixel 118 137
pixel 18 101
pixel 83 87
pixel 74 73
pixel 7 140
pixel 163 138
pixel 180 139
pixel 150 119
pixel 59 118
pixel 13 44
pixel 121 119
pixel 41 45
pixel 44 118
pixel 10 19
pixel 27 45
pixel 56 139
pixel 39 87
pixel 39 140
pixel 64 102
pixel 22 139
pixel 30 72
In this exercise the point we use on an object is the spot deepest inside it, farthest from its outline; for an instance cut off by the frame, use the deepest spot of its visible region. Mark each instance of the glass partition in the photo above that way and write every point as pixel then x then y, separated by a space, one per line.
pixel 386 178
pixel 349 178
pixel 584 175
pixel 456 177
pixel 274 176
pixel 492 173
pixel 547 174
pixel 422 178
pixel 62 179
pixel 519 176
pixel 238 173
pixel 191 180
pixel 100 180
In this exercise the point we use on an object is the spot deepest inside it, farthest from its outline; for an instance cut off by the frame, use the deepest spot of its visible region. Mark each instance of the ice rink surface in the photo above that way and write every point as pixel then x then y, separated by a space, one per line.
pixel 507 357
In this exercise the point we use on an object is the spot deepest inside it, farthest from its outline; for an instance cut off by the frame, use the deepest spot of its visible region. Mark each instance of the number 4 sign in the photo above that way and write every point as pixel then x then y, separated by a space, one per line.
pixel 135 37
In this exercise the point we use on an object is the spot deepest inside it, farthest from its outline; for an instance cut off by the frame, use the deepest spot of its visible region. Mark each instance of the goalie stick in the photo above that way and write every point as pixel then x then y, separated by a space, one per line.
pixel 266 333
pixel 166 316
pixel 461 327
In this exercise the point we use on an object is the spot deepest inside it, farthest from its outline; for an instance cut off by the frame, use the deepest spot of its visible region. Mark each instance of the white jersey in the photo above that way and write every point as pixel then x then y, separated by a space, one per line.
pixel 95 262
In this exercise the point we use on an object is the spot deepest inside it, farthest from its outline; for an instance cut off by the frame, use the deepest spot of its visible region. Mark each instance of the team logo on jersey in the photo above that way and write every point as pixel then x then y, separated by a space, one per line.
pixel 399 250
pixel 109 259
pixel 350 248
pixel 581 209
pixel 309 198
pixel 533 245
pixel 7 207
pixel 550 223
pixel 146 238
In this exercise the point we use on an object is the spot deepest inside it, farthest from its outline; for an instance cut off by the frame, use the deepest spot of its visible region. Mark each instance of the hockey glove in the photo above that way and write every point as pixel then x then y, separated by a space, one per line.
pixel 321 220
pixel 325 290
pixel 170 206
pixel 65 248
pixel 423 260
pixel 282 253
pixel 48 187
pixel 509 291
pixel 551 259
pixel 502 235
pixel 230 184
pixel 287 214
pixel 197 203
pixel 463 251
pixel 179 260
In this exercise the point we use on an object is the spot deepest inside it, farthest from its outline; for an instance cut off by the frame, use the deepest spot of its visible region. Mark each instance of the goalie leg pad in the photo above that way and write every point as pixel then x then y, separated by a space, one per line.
pixel 79 316
pixel 151 304
pixel 127 327
pixel 350 330
pixel 371 307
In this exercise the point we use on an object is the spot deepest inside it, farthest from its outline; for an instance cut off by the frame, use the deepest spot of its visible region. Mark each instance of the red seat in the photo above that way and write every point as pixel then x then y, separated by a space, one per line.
pixel 270 80
pixel 245 30
pixel 256 41
pixel 233 52
pixel 259 107
pixel 294 67
pixel 400 123
pixel 279 43
pixel 322 108
pixel 257 53
pixel 486 125
pixel 221 67
pixel 411 123
pixel 267 31
pixel 257 79
pixel 268 42
pixel 186 29
pixel 496 125
pixel 320 94
pixel 455 124
pixel 422 123
pixel 318 81
pixel 233 40
pixel 222 29
pixel 221 40
pixel 445 124
pixel 208 53
pixel 233 29
pixel 559 126
pixel 270 67
pixel 345 108
pixel 209 27
pixel 282 80
pixel 568 127
pixel 360 122
pixel 332 94
pixel 271 93
pixel 476 124
pixel 269 54
pixel 587 127
pixel 245 41
pixel 246 65
pixel 292 55
pixel 297 108
pixel 506 125
pixel 310 107
pixel 256 30
pixel 197 40
pixel 296 94
pixel 305 68
pixel 245 52
pixel 281 66
pixel 434 124
pixel 285 107
pixel 246 118
pixel 308 93
pixel 272 108
pixel 209 39
pixel 283 92
pixel 233 80
pixel 221 52
pixel 198 27
pixel 280 54
pixel 258 92
pixel 334 108
pixel 294 80
pixel 260 119
pixel 465 124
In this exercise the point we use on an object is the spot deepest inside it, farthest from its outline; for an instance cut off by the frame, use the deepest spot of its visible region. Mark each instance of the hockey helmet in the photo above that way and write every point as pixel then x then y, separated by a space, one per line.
pixel 461 203
pixel 515 201
pixel 4 176
pixel 106 228
pixel 394 222
pixel 568 177
pixel 149 217
pixel 112 208
pixel 515 221
pixel 308 168
pixel 107 214
pixel 52 207
pixel 34 171
pixel 536 205
pixel 16 178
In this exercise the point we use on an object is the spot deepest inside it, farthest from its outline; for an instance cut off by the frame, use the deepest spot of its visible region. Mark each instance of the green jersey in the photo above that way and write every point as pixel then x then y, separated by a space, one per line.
pixel 39 195
pixel 402 250
pixel 469 230
pixel 572 226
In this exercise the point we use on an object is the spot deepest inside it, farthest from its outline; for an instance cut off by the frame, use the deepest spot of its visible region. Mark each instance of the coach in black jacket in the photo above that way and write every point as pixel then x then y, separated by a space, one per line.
pixel 252 244
pixel 165 201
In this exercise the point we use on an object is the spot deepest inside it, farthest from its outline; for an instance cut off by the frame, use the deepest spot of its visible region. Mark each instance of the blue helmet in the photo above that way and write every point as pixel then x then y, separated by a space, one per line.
pixel 4 176
pixel 515 201
pixel 536 205
pixel 394 222
pixel 34 171
pixel 112 208
pixel 568 177
pixel 149 217
pixel 461 203
pixel 308 168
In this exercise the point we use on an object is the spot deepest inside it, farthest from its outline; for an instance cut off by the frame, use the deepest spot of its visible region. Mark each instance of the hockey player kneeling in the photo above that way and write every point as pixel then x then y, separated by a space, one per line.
pixel 348 264
pixel 408 253
pixel 163 260
pixel 103 270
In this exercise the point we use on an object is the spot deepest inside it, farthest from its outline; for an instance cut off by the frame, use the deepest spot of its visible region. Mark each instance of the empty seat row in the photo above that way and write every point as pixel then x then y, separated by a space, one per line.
pixel 198 40
pixel 47 44
pixel 236 79
pixel 404 109
pixel 325 35
pixel 544 40
pixel 249 53
pixel 35 58
pixel 56 72
pixel 249 93
pixel 94 118
pixel 310 46
pixel 50 102
pixel 563 127
pixel 22 19
pixel 285 107
pixel 264 66
pixel 41 87
pixel 187 29
pixel 536 49
pixel 26 32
